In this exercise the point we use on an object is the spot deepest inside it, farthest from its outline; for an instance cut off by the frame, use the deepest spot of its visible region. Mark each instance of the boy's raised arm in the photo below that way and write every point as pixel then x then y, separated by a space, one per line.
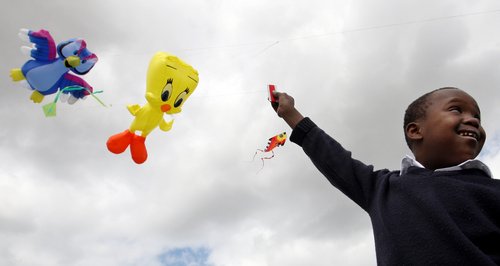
pixel 352 177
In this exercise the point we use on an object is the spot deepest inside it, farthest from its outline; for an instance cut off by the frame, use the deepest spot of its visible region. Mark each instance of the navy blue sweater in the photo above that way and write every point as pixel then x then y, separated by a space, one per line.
pixel 420 218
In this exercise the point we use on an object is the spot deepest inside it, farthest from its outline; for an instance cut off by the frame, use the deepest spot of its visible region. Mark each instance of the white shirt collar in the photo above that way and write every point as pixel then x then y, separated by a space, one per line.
pixel 469 164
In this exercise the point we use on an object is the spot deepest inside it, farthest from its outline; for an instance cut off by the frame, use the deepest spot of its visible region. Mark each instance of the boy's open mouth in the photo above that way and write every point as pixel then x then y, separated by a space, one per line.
pixel 467 133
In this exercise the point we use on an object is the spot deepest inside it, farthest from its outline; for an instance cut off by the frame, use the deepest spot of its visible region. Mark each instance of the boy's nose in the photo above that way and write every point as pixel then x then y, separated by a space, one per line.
pixel 472 120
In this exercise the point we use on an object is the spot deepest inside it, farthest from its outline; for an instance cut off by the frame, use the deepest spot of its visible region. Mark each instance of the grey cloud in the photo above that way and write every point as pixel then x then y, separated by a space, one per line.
pixel 73 201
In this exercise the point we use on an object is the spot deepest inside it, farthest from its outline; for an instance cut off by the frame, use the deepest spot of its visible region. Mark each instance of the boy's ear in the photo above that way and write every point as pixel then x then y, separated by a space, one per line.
pixel 413 131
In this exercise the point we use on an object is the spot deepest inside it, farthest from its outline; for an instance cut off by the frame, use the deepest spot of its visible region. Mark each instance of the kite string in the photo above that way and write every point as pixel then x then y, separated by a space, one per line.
pixel 262 158
pixel 303 37
pixel 391 25
pixel 272 44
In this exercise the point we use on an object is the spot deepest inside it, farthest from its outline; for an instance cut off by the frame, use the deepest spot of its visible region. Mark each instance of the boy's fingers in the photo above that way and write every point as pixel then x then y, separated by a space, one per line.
pixel 276 104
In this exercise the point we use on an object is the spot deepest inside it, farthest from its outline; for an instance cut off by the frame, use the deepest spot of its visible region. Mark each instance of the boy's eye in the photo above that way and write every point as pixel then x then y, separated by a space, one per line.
pixel 455 109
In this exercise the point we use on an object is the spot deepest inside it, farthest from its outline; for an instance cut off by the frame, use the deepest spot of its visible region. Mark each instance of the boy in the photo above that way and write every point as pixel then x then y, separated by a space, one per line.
pixel 443 207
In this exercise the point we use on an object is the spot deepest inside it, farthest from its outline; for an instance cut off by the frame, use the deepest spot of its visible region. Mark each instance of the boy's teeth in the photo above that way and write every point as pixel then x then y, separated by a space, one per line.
pixel 468 134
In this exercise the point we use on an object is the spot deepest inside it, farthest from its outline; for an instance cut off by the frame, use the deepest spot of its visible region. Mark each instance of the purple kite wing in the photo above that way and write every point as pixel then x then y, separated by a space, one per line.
pixel 45 47
pixel 72 80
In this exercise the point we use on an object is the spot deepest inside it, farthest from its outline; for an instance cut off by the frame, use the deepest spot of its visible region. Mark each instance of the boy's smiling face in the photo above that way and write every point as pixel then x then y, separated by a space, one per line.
pixel 451 131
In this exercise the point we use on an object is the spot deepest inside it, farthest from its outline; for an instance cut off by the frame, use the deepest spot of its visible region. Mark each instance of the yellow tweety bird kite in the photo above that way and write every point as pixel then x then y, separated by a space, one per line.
pixel 170 81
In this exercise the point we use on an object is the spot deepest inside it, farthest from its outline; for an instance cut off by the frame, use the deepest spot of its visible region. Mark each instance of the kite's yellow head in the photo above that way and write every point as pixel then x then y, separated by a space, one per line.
pixel 170 81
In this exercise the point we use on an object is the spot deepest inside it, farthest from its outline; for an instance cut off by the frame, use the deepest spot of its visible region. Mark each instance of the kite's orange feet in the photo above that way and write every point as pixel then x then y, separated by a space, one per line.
pixel 118 143
pixel 138 149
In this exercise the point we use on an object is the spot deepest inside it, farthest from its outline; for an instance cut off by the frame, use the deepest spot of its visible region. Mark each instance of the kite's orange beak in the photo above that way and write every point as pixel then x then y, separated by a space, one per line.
pixel 165 108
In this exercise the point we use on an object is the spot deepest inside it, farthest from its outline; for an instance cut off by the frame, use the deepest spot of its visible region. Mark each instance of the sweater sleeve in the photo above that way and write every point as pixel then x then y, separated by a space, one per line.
pixel 355 179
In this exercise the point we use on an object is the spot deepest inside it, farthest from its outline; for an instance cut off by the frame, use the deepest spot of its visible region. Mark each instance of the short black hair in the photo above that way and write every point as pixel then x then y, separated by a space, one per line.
pixel 417 110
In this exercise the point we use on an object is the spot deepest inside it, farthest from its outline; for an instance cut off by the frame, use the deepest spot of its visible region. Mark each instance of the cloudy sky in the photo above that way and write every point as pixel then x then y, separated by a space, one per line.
pixel 351 65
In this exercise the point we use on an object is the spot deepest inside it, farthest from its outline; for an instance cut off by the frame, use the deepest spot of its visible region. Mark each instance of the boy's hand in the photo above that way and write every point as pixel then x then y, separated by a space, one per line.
pixel 285 103
pixel 285 108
